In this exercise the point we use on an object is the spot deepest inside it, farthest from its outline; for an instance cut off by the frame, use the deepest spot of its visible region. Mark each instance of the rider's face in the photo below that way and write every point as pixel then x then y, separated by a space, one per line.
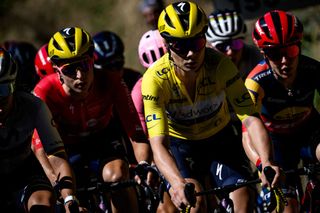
pixel 283 61
pixel 188 54
pixel 77 76
pixel 231 48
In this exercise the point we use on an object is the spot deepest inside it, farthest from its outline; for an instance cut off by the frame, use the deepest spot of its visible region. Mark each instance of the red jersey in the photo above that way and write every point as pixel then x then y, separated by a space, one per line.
pixel 82 118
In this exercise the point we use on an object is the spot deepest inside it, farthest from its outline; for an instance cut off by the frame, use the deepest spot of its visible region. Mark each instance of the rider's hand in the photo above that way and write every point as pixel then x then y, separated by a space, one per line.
pixel 71 205
pixel 277 177
pixel 147 173
pixel 178 196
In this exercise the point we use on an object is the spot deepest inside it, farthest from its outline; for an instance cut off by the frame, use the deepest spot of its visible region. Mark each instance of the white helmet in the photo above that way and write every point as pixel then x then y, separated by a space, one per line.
pixel 225 25
pixel 151 48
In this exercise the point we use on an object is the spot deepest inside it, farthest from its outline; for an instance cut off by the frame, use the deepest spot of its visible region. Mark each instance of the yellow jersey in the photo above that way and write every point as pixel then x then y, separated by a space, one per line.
pixel 169 110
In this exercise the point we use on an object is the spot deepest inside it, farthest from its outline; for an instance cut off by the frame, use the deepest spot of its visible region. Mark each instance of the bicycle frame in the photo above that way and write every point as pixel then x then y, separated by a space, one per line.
pixel 310 201
pixel 310 198
pixel 226 204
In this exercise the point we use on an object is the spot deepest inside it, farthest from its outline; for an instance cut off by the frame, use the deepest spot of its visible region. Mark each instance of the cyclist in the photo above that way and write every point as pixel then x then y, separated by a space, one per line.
pixel 226 33
pixel 185 95
pixel 24 53
pixel 151 48
pixel 42 62
pixel 24 185
pixel 282 87
pixel 109 56
pixel 151 9
pixel 82 106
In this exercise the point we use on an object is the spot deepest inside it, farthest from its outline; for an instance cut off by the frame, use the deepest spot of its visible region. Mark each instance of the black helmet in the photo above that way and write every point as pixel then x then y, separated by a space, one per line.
pixel 108 50
pixel 8 67
pixel 24 54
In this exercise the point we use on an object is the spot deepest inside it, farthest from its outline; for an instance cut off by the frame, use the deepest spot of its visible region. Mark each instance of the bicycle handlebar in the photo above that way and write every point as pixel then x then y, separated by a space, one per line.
pixel 225 190
pixel 309 169
pixel 74 207
pixel 270 173
pixel 228 188
pixel 190 193
pixel 108 187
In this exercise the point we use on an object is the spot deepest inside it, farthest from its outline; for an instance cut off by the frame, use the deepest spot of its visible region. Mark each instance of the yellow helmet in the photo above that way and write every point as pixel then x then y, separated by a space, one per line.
pixel 181 20
pixel 70 43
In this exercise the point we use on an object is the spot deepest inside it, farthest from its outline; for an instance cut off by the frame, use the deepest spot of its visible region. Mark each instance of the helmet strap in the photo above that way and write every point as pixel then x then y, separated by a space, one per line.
pixel 60 78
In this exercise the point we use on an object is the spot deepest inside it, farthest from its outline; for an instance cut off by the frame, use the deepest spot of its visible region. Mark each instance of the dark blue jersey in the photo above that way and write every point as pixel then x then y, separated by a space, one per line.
pixel 282 109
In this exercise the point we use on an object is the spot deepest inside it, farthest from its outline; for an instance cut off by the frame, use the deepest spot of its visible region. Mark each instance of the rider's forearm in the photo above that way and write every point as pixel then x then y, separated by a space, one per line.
pixel 142 151
pixel 64 173
pixel 45 163
pixel 261 142
pixel 165 161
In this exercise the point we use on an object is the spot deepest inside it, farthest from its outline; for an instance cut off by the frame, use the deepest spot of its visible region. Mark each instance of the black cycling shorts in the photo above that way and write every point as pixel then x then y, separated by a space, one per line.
pixel 91 153
pixel 222 156
pixel 290 148
pixel 17 186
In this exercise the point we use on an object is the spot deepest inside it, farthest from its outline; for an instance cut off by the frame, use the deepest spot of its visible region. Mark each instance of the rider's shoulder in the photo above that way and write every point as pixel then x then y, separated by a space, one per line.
pixel 308 63
pixel 261 69
pixel 160 69
pixel 49 80
pixel 213 58
pixel 28 101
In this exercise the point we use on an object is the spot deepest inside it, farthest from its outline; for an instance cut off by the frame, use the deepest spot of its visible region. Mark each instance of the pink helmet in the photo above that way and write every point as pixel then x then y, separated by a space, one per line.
pixel 151 48
pixel 42 63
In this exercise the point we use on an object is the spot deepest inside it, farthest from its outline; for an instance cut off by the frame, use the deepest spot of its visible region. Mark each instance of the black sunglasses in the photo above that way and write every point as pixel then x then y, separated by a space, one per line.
pixel 276 54
pixel 70 69
pixel 183 46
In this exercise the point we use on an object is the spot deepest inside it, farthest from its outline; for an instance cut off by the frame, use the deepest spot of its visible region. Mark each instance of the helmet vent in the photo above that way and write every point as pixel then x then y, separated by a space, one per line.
pixel 168 21
pixel 184 21
pixel 290 24
pixel 278 26
pixel 71 44
pixel 199 16
pixel 145 58
pixel 265 28
pixel 84 38
pixel 161 51
pixel 153 55
pixel 56 45
pixel 43 72
pixel 256 35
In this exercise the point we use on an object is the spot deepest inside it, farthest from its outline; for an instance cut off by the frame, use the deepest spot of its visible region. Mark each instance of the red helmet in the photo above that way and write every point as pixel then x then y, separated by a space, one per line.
pixel 276 29
pixel 42 63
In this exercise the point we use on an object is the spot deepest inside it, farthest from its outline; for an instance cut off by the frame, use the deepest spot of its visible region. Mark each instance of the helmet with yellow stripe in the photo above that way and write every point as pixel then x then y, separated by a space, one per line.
pixel 182 20
pixel 70 43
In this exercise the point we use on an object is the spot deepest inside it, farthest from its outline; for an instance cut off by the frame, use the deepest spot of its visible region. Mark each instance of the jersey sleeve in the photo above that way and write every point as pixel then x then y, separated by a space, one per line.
pixel 127 111
pixel 36 142
pixel 236 91
pixel 138 103
pixel 47 131
pixel 154 106
pixel 255 90
pixel 39 92
pixel 256 93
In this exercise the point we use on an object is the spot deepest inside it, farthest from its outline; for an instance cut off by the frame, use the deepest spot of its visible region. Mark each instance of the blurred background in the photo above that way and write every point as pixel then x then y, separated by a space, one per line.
pixel 36 21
